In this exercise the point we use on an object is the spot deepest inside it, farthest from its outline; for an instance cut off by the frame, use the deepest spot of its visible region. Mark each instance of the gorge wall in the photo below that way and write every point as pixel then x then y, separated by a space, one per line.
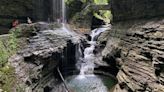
pixel 43 10
pixel 133 9
pixel 141 64
pixel 19 10
pixel 47 48
pixel 14 9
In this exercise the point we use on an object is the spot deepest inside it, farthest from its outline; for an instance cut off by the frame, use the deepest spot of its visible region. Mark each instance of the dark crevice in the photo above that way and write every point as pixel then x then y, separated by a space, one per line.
pixel 147 54
pixel 47 89
pixel 68 59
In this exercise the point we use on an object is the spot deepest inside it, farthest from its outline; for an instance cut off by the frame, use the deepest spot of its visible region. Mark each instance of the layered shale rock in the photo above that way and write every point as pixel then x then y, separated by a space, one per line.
pixel 141 60
pixel 35 65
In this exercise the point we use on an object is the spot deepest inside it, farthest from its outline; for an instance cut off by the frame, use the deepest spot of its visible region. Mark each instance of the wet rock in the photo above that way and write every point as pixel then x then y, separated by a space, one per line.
pixel 36 63
pixel 110 54
pixel 102 39
pixel 136 49
pixel 28 30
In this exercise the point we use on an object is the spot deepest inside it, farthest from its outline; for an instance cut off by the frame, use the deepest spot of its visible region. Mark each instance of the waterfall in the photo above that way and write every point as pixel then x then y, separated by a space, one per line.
pixel 87 65
pixel 59 11
pixel 59 14
pixel 63 12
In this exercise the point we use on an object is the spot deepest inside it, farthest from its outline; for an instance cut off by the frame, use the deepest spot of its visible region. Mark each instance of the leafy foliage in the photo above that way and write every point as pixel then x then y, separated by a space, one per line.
pixel 104 15
pixel 8 47
pixel 7 78
pixel 99 2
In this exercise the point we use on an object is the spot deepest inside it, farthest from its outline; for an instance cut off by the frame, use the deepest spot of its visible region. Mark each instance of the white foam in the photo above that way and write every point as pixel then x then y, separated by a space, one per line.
pixel 87 67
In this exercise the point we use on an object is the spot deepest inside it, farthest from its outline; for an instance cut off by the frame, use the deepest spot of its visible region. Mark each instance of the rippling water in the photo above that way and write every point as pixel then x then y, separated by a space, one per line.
pixel 90 83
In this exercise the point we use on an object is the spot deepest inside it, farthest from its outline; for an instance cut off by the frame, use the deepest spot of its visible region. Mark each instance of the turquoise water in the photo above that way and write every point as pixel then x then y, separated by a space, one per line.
pixel 90 83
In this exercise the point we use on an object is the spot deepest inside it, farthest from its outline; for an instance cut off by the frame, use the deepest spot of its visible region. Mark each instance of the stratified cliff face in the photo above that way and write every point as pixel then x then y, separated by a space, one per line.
pixel 133 9
pixel 48 47
pixel 141 65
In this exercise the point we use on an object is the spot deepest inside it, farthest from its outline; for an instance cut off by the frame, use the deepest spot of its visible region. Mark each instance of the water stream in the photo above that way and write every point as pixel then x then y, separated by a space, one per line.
pixel 63 20
pixel 87 65
pixel 59 11
pixel 63 12
pixel 87 81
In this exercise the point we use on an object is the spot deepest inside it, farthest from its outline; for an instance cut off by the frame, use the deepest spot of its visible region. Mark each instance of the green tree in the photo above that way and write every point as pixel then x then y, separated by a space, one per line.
pixel 104 15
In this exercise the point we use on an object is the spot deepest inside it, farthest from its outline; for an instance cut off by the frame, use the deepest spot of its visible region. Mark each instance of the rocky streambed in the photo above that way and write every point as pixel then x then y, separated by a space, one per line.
pixel 49 47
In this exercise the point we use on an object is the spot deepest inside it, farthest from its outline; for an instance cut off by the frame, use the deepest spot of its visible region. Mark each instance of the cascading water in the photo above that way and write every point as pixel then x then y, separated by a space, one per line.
pixel 65 27
pixel 63 12
pixel 59 11
pixel 86 81
pixel 59 15
pixel 87 65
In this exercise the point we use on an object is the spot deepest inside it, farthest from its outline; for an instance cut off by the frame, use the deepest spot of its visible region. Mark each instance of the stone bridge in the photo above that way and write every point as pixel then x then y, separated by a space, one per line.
pixel 100 7
pixel 133 9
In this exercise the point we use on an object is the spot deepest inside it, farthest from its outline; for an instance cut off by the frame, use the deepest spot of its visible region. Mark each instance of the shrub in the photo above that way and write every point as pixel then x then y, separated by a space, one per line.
pixel 104 15
pixel 3 54
pixel 8 47
pixel 7 78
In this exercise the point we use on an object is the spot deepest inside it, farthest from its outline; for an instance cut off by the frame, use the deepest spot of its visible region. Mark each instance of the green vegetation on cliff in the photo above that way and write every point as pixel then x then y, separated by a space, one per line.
pixel 8 47
pixel 101 2
pixel 81 12
pixel 9 44
pixel 104 15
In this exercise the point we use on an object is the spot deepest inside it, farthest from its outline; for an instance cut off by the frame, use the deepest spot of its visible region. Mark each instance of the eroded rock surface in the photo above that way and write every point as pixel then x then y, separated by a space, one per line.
pixel 35 65
pixel 135 48
pixel 141 65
